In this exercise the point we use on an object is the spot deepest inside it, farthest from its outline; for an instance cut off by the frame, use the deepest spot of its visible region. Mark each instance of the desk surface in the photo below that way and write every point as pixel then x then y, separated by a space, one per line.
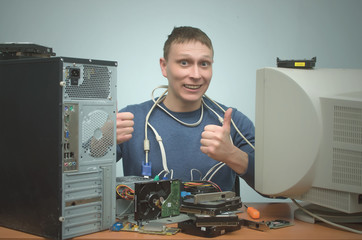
pixel 269 211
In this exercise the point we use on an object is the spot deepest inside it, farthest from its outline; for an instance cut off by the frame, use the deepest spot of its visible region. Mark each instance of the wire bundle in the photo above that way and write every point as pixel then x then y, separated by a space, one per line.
pixel 125 192
pixel 201 186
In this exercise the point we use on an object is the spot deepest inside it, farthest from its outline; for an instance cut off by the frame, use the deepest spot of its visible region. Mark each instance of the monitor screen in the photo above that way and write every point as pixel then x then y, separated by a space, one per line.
pixel 308 136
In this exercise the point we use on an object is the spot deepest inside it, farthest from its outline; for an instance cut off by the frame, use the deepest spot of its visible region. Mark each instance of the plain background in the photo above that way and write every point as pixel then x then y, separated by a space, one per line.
pixel 246 34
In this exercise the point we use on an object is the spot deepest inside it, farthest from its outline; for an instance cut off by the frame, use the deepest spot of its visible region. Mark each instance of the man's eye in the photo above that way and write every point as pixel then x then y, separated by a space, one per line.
pixel 183 62
pixel 205 64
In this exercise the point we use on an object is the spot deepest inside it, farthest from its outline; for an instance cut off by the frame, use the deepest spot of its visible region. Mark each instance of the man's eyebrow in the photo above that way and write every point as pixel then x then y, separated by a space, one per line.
pixel 189 55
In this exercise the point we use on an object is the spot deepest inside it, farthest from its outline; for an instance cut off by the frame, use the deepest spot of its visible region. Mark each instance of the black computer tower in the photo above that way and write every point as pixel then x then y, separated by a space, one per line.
pixel 58 147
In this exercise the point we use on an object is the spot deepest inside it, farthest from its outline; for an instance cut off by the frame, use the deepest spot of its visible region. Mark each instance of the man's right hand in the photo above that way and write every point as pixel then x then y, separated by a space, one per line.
pixel 125 125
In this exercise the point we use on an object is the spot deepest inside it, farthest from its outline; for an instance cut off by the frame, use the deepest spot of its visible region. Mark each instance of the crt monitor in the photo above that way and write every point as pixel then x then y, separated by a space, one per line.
pixel 308 126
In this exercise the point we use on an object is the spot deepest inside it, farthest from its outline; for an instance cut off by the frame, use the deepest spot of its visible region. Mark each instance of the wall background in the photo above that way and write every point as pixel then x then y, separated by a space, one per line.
pixel 246 34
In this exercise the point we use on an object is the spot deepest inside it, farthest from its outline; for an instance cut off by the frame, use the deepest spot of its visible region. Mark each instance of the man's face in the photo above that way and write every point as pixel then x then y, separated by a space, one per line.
pixel 189 71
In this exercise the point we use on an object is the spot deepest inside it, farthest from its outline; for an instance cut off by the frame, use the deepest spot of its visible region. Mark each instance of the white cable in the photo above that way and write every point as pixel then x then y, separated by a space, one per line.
pixel 192 176
pixel 183 123
pixel 213 174
pixel 161 172
pixel 168 173
pixel 146 144
pixel 178 120
pixel 221 120
pixel 171 171
pixel 211 169
pixel 162 148
pixel 325 220
pixel 153 91
pixel 159 139
pixel 236 128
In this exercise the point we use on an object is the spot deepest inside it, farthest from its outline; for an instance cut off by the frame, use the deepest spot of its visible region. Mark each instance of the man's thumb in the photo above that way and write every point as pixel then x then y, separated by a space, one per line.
pixel 227 119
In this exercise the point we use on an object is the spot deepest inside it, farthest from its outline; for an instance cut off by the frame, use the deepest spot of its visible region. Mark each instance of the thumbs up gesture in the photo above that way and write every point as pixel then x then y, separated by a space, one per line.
pixel 215 140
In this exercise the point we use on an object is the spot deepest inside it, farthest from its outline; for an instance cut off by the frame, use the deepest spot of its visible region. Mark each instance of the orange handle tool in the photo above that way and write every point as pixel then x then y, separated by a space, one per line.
pixel 253 213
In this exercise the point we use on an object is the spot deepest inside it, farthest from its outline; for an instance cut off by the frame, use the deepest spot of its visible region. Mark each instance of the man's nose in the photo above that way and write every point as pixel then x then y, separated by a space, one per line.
pixel 195 72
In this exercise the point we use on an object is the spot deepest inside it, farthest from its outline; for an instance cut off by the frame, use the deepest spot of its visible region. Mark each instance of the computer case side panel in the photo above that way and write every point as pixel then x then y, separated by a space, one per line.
pixel 30 176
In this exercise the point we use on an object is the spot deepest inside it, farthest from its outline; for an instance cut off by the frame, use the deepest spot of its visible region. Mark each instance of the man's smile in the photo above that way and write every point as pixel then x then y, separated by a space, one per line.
pixel 192 86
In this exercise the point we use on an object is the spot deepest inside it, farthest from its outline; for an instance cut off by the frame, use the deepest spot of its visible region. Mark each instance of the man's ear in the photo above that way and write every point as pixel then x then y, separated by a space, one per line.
pixel 163 65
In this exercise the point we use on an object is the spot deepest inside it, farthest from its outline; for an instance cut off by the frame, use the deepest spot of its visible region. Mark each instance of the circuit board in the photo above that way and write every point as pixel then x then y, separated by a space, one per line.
pixel 149 228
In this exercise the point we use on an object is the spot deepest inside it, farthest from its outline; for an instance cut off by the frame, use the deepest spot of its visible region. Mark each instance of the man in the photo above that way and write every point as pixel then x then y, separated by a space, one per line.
pixel 192 135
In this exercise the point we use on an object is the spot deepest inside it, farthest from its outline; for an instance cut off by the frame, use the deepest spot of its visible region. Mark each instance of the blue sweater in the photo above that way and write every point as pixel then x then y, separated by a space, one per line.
pixel 182 144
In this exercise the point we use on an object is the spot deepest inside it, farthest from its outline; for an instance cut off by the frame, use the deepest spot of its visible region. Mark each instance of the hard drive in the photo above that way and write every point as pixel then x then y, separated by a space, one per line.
pixel 157 199
pixel 211 207
pixel 189 227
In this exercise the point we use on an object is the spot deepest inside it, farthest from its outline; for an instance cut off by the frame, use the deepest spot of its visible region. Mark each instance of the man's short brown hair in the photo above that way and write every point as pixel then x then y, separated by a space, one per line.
pixel 184 35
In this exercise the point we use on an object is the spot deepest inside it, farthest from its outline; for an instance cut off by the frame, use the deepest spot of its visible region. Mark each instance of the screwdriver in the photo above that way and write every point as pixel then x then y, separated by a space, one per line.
pixel 252 212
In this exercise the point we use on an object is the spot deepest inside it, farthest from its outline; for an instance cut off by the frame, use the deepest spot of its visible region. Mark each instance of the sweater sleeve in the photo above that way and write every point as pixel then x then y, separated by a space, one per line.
pixel 247 128
pixel 249 175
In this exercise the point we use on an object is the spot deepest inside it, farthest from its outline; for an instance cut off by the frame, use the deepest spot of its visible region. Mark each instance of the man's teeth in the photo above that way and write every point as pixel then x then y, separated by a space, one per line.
pixel 193 86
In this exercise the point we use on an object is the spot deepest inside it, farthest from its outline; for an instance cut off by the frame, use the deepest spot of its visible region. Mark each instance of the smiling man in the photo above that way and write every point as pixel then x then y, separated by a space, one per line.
pixel 184 134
